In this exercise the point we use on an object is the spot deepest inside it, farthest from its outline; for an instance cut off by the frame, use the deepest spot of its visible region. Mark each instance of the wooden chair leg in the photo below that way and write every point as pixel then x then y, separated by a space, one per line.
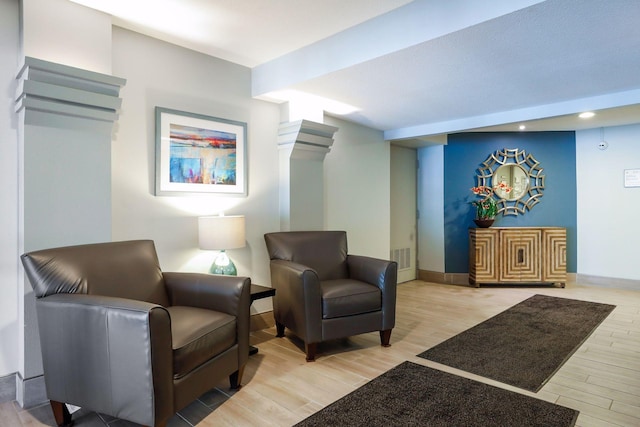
pixel 279 330
pixel 235 378
pixel 310 349
pixel 61 414
pixel 385 337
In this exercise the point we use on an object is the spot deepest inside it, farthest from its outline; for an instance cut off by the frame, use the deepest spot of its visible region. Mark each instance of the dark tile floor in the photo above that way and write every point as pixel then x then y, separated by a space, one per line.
pixel 188 417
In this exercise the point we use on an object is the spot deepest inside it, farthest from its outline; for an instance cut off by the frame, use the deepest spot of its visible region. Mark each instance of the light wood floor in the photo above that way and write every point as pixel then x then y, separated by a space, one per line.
pixel 601 380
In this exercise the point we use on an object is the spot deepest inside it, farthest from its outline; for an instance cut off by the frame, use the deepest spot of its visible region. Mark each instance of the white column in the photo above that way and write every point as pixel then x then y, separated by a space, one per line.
pixel 303 145
pixel 66 105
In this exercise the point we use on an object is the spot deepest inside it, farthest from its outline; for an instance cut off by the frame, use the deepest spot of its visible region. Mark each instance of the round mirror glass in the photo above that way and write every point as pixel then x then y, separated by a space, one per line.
pixel 515 177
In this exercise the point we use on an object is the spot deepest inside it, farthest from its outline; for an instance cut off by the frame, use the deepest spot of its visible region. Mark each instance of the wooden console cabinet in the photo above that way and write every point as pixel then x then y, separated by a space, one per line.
pixel 517 255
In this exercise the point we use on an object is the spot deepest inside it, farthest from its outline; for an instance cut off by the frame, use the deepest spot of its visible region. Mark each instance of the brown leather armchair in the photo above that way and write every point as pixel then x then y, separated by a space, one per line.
pixel 122 338
pixel 322 293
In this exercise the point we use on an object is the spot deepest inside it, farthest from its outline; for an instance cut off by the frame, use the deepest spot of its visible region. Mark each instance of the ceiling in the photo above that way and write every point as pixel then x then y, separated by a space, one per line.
pixel 418 70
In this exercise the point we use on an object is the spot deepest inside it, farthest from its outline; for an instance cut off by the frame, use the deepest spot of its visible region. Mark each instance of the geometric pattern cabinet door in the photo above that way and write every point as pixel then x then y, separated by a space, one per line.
pixel 520 255
pixel 554 252
pixel 517 255
pixel 483 256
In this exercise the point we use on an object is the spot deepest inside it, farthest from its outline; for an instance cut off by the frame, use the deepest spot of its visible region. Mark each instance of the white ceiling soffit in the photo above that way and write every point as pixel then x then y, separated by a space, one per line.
pixel 618 116
pixel 421 68
pixel 379 38
pixel 551 59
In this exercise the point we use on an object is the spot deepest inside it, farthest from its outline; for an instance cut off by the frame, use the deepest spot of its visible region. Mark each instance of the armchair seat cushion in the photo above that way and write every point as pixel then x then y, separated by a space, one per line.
pixel 197 334
pixel 348 297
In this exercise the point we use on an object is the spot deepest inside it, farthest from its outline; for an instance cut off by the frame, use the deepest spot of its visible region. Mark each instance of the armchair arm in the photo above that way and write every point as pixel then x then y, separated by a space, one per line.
pixel 119 346
pixel 383 274
pixel 298 300
pixel 226 294
pixel 378 272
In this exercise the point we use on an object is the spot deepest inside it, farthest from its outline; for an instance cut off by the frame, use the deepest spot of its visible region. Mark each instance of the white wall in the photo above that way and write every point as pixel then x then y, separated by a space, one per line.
pixel 58 30
pixel 356 185
pixel 404 204
pixel 357 188
pixel 9 39
pixel 608 225
pixel 356 171
pixel 431 207
pixel 181 79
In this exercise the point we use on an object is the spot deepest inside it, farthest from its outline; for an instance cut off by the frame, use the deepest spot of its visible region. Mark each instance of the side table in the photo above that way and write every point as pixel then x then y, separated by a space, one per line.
pixel 259 292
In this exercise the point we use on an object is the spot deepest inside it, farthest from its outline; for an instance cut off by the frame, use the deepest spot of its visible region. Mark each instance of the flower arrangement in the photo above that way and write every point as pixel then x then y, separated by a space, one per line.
pixel 486 207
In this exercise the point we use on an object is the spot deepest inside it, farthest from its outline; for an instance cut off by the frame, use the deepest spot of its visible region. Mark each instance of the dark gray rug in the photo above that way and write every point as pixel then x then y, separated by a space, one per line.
pixel 415 395
pixel 524 345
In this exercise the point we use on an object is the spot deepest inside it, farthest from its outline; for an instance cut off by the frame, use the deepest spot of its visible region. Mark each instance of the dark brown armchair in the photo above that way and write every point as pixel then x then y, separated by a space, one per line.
pixel 122 338
pixel 322 293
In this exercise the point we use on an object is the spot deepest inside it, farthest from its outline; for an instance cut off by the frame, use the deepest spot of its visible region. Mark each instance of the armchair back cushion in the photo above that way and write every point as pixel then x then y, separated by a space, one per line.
pixel 323 251
pixel 127 269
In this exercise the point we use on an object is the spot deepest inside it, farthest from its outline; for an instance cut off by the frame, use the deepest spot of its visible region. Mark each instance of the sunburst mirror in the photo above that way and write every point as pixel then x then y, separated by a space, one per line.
pixel 520 173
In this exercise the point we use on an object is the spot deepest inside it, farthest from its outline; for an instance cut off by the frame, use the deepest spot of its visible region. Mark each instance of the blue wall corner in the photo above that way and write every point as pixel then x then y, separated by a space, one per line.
pixel 465 153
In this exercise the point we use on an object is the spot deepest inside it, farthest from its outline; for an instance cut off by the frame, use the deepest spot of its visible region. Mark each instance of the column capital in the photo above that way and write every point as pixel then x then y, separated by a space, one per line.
pixel 306 139
pixel 58 95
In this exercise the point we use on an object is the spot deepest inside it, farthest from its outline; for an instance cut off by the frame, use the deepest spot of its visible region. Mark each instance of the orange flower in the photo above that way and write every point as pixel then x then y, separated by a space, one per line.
pixel 481 190
pixel 486 208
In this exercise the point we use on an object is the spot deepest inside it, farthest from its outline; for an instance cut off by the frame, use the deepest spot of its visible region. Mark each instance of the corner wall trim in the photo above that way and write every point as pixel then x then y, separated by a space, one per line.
pixel 31 391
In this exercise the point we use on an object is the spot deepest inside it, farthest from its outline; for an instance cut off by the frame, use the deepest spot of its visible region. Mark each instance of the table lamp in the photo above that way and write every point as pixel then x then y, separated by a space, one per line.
pixel 221 233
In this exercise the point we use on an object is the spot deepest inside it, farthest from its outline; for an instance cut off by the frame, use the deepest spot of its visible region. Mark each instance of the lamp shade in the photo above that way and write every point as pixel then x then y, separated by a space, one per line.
pixel 221 232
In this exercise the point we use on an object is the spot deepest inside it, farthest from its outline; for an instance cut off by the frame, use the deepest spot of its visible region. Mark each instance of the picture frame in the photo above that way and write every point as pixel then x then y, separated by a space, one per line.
pixel 198 154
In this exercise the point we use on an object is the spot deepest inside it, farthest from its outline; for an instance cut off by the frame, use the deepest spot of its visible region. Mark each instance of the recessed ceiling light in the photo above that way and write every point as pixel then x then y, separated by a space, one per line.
pixel 586 115
pixel 522 127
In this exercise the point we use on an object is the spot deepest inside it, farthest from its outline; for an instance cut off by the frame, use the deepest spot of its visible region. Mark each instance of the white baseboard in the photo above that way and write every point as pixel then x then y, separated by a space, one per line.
pixel 8 388
pixel 608 282
pixel 582 279
pixel 444 278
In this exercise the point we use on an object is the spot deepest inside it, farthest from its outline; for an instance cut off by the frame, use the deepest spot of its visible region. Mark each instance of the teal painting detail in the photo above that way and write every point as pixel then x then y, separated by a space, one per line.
pixel 202 156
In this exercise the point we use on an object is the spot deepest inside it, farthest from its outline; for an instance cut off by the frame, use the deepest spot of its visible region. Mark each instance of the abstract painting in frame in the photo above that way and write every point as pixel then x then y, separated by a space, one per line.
pixel 198 154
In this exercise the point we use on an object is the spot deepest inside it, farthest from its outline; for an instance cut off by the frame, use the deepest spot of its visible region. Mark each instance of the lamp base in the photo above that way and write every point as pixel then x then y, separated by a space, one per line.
pixel 223 265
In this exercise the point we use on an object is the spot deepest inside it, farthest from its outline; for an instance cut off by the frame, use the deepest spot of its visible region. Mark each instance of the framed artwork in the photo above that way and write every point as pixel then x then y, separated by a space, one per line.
pixel 197 154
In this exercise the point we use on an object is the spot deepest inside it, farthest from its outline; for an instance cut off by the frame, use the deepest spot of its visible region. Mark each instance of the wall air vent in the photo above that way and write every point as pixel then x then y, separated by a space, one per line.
pixel 402 257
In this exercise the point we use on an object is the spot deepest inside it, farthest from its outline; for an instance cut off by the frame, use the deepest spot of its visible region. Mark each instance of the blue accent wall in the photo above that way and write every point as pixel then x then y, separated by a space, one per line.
pixel 465 153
